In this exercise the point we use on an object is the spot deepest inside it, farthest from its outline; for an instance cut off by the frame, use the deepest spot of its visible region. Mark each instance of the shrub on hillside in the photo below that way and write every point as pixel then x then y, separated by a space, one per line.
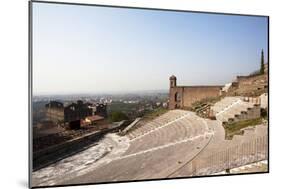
pixel 118 116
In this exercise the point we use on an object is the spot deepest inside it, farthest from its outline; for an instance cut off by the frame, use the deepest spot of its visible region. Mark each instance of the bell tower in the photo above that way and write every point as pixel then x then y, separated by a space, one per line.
pixel 173 81
pixel 173 92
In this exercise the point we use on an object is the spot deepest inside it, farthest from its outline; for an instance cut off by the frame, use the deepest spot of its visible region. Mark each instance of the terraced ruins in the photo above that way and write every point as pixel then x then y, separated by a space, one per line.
pixel 178 143
pixel 207 130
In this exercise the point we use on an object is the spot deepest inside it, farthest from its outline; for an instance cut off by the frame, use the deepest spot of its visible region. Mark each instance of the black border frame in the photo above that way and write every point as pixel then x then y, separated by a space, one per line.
pixel 30 88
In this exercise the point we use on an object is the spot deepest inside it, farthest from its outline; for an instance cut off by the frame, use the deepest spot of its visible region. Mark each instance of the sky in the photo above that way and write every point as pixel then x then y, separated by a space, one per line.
pixel 89 49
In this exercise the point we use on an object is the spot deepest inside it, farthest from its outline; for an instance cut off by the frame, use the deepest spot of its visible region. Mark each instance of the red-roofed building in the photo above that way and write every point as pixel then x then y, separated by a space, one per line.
pixel 94 119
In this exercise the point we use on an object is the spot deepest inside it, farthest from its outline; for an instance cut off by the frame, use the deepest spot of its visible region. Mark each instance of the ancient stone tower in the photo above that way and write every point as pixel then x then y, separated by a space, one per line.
pixel 174 94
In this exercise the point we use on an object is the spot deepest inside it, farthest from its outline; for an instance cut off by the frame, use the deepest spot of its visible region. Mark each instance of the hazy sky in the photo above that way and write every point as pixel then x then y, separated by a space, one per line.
pixel 87 49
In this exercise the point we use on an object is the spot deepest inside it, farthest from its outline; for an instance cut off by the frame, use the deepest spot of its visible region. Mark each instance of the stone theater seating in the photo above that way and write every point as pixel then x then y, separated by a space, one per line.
pixel 157 148
pixel 188 126
pixel 158 122
pixel 176 144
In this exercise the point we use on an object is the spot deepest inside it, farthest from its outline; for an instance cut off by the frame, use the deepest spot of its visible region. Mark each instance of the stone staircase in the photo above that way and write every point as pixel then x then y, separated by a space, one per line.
pixel 233 109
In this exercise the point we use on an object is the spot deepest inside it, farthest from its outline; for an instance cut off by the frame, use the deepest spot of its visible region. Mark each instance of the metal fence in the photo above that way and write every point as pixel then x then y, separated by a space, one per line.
pixel 242 154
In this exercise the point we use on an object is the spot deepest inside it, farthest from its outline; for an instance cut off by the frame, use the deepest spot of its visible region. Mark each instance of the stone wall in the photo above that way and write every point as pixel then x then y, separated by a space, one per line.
pixel 249 85
pixel 192 94
pixel 258 81
pixel 185 96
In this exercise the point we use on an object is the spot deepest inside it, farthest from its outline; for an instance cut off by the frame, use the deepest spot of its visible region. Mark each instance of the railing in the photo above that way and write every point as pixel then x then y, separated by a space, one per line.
pixel 129 127
pixel 236 156
pixel 204 111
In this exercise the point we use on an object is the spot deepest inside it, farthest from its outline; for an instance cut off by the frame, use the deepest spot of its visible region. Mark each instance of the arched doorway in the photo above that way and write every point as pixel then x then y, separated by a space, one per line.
pixel 177 97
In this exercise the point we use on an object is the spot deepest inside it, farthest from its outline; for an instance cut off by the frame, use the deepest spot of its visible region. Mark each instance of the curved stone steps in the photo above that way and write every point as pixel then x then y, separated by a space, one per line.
pixel 154 164
pixel 157 122
pixel 185 128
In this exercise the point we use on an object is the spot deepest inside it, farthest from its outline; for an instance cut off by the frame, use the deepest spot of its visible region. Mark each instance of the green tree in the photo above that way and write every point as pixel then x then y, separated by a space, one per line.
pixel 118 116
pixel 262 63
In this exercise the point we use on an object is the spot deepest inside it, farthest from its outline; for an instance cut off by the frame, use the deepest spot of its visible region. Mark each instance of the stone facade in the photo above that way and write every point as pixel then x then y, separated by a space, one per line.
pixel 71 114
pixel 184 96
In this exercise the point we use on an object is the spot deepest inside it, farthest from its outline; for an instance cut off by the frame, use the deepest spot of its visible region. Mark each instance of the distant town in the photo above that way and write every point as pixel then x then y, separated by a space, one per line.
pixel 132 105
